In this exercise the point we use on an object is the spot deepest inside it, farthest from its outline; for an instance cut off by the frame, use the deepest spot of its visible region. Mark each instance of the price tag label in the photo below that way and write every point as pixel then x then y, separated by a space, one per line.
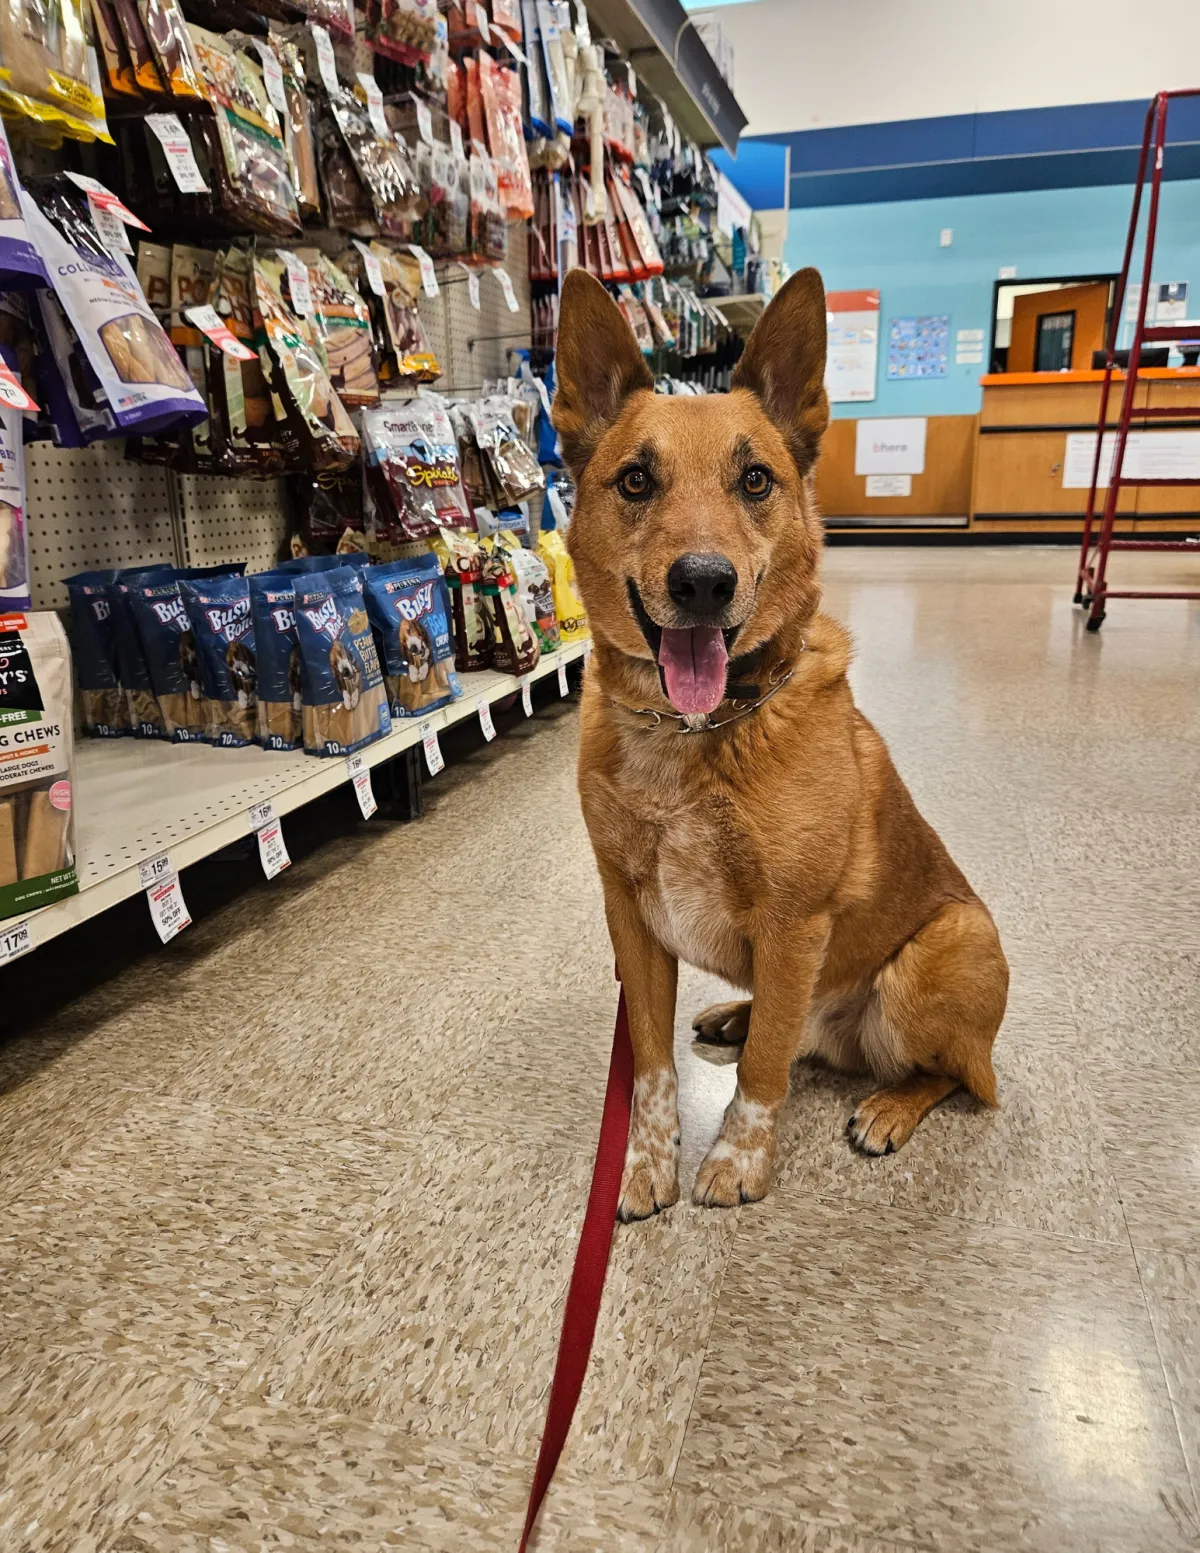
pixel 456 141
pixel 177 149
pixel 153 869
pixel 543 392
pixel 375 111
pixel 472 284
pixel 272 75
pixel 109 227
pixel 167 909
pixel 506 286
pixel 485 718
pixel 429 283
pixel 434 758
pixel 212 326
pixel 360 775
pixel 424 121
pixel 272 853
pixel 297 272
pixel 15 940
pixel 527 695
pixel 562 676
pixel 481 21
pixel 260 814
pixel 11 392
pixel 372 268
pixel 326 63
pixel 100 195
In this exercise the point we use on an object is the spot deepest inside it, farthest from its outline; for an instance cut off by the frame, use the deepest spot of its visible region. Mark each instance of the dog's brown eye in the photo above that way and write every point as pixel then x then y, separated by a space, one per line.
pixel 635 484
pixel 757 482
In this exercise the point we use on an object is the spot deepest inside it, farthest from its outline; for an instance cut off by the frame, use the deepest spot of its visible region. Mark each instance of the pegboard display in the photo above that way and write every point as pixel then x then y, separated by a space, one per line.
pixel 232 520
pixel 92 507
pixel 477 343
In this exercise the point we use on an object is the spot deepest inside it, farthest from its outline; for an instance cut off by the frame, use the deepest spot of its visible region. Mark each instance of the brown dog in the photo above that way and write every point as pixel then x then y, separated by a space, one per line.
pixel 744 814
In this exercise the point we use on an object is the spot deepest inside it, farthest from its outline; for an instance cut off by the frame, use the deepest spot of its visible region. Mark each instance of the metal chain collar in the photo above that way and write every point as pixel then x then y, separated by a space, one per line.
pixel 777 679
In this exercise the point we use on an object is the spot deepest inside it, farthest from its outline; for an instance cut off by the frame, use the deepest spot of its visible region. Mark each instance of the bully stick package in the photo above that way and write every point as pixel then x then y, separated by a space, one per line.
pixel 141 383
pixel 345 700
pixel 535 591
pixel 37 846
pixel 169 646
pixel 104 709
pixel 343 327
pixel 514 647
pixel 244 420
pixel 277 650
pixel 409 609
pixel 219 610
pixel 462 565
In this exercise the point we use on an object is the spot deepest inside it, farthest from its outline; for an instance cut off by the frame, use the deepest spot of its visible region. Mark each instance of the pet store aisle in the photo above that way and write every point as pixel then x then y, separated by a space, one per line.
pixel 288 1207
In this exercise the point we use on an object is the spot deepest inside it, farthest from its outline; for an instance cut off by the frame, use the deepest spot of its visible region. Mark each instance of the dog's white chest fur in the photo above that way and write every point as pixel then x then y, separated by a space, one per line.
pixel 685 903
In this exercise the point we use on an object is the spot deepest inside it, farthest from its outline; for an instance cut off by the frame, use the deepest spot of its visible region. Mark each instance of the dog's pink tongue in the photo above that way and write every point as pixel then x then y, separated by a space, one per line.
pixel 693 664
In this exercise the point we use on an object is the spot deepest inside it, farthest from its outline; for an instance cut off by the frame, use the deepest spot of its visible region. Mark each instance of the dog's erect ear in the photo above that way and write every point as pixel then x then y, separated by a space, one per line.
pixel 598 365
pixel 784 364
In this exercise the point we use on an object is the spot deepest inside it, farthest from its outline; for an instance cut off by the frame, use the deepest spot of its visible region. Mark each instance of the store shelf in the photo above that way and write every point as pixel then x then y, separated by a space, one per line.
pixel 666 50
pixel 136 798
pixel 741 313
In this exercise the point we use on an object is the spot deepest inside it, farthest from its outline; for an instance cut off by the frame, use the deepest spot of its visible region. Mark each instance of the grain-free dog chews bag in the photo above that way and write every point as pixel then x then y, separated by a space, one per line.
pixel 409 608
pixel 103 707
pixel 345 702
pixel 219 610
pixel 37 845
pixel 169 648
pixel 277 649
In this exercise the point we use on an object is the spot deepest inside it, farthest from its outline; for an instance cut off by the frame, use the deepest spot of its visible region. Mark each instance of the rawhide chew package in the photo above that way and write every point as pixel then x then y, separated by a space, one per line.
pixel 219 610
pixel 277 649
pixel 37 845
pixel 345 700
pixel 169 647
pixel 409 609
pixel 534 590
pixel 141 381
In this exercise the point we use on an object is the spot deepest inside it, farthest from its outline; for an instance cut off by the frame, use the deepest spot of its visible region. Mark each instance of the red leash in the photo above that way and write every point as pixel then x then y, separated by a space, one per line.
pixel 591 1264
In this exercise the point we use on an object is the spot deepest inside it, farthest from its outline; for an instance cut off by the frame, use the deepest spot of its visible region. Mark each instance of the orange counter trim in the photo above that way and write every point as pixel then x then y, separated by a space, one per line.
pixel 1035 379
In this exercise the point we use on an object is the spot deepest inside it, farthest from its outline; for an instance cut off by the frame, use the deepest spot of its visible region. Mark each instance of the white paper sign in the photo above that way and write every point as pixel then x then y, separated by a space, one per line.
pixel 15 940
pixel 375 111
pixel 890 447
pixel 109 227
pixel 424 121
pixel 456 141
pixel 213 327
pixel 852 353
pixel 429 283
pixel 889 485
pixel 272 75
pixel 361 777
pixel 562 676
pixel 506 286
pixel 1149 455
pixel 272 853
pixel 177 149
pixel 485 719
pixel 1007 272
pixel 472 285
pixel 152 869
pixel 434 758
pixel 373 271
pixel 297 282
pixel 326 63
pixel 527 695
pixel 968 358
pixel 167 909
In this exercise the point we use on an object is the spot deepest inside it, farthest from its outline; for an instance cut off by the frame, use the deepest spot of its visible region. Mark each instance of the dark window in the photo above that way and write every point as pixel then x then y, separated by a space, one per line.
pixel 1055 336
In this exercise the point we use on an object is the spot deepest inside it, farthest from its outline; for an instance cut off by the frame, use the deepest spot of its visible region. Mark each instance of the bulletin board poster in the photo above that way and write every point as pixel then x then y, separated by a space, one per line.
pixel 918 347
pixel 852 354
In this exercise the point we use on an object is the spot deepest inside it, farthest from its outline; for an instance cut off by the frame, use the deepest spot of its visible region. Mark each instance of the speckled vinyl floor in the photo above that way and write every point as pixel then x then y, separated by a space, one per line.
pixel 287 1209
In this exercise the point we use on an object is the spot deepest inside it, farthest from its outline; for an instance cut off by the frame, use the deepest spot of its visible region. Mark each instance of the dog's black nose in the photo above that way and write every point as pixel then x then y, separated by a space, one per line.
pixel 702 584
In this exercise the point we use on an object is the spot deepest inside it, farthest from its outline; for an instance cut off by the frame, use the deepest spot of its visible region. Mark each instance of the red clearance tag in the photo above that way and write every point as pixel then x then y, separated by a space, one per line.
pixel 12 394
pixel 211 325
pixel 106 199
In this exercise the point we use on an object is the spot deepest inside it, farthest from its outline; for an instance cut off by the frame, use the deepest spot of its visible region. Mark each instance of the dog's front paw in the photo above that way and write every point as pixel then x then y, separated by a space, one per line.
pixel 737 1168
pixel 650 1181
pixel 649 1184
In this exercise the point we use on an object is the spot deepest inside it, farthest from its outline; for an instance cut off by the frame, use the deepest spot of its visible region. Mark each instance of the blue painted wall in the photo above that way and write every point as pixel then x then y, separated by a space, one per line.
pixel 1043 232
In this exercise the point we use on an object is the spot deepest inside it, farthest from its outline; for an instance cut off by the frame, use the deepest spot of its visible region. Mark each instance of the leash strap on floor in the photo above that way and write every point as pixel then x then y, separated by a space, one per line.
pixel 591 1265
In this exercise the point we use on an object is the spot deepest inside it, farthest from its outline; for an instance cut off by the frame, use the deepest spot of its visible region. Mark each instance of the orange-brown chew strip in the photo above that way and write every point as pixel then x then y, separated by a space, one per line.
pixel 43 838
pixel 8 845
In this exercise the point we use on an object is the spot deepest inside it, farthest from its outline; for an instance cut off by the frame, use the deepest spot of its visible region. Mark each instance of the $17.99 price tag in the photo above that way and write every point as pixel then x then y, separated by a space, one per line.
pixel 15 940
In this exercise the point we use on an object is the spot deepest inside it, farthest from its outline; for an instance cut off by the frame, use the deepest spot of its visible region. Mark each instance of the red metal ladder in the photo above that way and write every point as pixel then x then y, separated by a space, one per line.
pixel 1091 585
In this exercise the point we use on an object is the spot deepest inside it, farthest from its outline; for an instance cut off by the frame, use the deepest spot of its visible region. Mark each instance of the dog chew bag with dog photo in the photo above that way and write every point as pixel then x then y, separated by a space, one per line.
pixel 409 609
pixel 568 606
pixel 37 845
pixel 141 381
pixel 345 700
pixel 277 649
pixel 219 610
pixel 104 710
pixel 169 647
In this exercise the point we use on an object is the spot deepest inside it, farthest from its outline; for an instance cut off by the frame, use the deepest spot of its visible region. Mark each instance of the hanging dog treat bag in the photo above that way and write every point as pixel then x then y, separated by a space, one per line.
pixel 345 700
pixel 409 609
pixel 37 839
pixel 219 610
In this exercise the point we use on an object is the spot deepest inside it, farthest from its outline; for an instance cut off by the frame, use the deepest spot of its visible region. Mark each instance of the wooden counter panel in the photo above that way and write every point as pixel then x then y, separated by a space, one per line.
pixel 944 490
pixel 1023 473
pixel 1054 404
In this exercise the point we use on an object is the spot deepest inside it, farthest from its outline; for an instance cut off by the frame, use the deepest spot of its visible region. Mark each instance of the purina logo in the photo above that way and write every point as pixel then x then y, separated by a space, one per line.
pixel 419 604
pixel 170 611
pixel 231 622
pixel 284 620
pixel 325 619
